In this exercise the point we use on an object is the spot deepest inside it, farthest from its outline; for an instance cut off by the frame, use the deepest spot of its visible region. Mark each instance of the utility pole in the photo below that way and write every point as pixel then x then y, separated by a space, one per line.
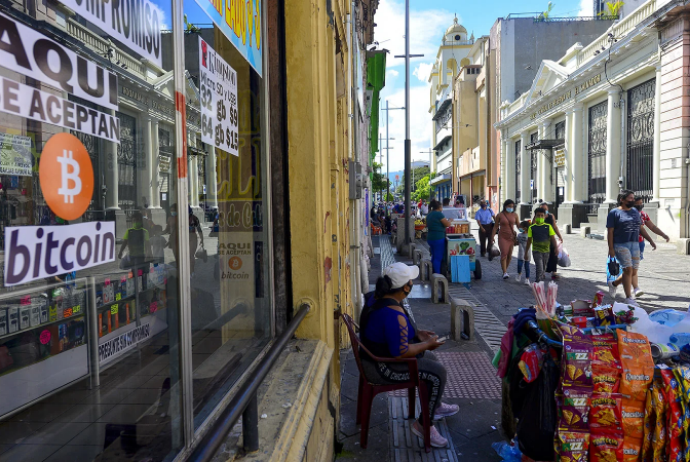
pixel 388 144
pixel 380 161
pixel 408 143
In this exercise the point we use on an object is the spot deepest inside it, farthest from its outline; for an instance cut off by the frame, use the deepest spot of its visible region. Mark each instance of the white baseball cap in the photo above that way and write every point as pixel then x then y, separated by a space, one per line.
pixel 401 274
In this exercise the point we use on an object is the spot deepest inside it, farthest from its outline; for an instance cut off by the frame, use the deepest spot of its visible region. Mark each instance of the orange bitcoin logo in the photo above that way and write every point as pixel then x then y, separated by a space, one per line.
pixel 235 263
pixel 66 176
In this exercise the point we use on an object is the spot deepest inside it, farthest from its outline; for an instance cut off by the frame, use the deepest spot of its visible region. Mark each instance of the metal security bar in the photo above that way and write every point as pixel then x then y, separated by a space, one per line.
pixel 596 155
pixel 640 139
pixel 244 403
pixel 518 161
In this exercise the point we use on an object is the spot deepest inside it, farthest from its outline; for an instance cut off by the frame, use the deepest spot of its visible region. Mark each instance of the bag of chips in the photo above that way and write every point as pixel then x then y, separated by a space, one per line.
pixel 632 449
pixel 577 358
pixel 603 316
pixel 637 364
pixel 605 412
pixel 605 379
pixel 674 415
pixel 574 410
pixel 682 374
pixel 573 446
pixel 605 351
pixel 649 427
pixel 605 446
pixel 659 438
pixel 632 417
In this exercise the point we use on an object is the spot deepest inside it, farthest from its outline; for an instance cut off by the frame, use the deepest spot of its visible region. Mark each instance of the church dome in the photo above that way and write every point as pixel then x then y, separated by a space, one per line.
pixel 456 29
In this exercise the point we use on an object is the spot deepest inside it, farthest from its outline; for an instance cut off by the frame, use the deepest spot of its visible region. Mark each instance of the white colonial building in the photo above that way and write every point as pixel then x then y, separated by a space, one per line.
pixel 611 115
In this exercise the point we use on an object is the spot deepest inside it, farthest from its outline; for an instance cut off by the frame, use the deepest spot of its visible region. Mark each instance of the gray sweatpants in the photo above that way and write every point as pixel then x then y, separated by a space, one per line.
pixel 540 261
pixel 431 371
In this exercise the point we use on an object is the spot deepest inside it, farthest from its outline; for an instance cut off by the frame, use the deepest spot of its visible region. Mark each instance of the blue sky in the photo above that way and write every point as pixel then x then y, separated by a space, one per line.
pixel 428 22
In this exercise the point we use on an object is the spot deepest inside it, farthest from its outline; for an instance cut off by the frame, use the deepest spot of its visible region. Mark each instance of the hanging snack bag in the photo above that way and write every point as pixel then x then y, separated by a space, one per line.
pixel 674 415
pixel 605 351
pixel 649 427
pixel 632 415
pixel 682 374
pixel 605 447
pixel 577 358
pixel 574 410
pixel 637 364
pixel 632 450
pixel 605 412
pixel 660 437
pixel 573 446
pixel 605 379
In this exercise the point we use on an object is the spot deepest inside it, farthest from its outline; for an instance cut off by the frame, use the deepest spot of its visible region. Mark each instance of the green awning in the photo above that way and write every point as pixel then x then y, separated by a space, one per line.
pixel 376 80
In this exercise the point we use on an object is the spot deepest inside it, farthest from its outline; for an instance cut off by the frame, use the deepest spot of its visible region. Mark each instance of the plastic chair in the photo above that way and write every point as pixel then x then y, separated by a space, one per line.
pixel 376 230
pixel 367 391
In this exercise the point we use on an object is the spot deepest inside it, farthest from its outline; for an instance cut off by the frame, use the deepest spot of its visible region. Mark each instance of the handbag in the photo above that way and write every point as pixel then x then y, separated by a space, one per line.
pixel 201 254
pixel 613 269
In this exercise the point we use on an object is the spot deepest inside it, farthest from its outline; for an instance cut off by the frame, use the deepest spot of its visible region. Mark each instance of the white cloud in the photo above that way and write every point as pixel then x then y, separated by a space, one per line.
pixel 426 30
pixel 586 8
pixel 392 73
pixel 423 71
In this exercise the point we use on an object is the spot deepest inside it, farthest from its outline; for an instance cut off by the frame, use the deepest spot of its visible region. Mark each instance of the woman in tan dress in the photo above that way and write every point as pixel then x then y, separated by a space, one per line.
pixel 507 221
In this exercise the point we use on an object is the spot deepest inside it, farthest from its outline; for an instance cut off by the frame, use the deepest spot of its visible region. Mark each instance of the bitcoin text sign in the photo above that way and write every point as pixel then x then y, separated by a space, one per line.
pixel 66 176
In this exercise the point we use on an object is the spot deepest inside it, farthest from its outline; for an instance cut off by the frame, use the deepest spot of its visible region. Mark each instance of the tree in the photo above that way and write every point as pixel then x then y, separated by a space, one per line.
pixel 418 173
pixel 379 182
pixel 613 9
pixel 545 14
pixel 422 189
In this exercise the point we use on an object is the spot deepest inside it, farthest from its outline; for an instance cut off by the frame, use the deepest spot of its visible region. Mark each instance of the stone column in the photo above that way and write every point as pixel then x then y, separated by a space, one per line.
pixel 525 192
pixel 508 170
pixel 613 155
pixel 211 177
pixel 146 173
pixel 578 157
pixel 656 163
pixel 546 188
pixel 567 169
pixel 193 182
pixel 155 178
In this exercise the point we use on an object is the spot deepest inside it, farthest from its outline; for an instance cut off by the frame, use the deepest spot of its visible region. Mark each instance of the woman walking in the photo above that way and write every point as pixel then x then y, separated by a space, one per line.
pixel 507 222
pixel 436 225
pixel 387 331
pixel 624 227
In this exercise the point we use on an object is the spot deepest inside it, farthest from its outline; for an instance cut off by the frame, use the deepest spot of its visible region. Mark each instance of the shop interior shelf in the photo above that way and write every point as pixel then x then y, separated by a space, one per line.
pixel 41 326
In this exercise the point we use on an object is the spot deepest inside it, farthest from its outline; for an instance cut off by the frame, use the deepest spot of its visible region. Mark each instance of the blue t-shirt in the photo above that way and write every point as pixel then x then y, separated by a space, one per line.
pixel 384 328
pixel 626 225
pixel 435 229
pixel 485 216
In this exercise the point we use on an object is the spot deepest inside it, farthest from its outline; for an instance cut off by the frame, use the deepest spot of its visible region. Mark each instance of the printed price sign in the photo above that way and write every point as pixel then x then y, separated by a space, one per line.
pixel 219 124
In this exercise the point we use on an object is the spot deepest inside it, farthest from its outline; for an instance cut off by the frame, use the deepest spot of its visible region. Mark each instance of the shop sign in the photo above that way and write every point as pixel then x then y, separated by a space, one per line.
pixel 240 22
pixel 218 88
pixel 135 23
pixel 33 54
pixel 110 349
pixel 38 252
pixel 31 103
pixel 15 155
pixel 589 83
pixel 561 99
pixel 559 158
pixel 164 164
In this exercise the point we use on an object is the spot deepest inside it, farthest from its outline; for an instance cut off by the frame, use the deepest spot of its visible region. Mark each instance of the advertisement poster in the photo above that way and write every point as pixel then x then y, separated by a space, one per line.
pixel 135 23
pixel 35 55
pixel 38 252
pixel 240 22
pixel 15 155
pixel 218 89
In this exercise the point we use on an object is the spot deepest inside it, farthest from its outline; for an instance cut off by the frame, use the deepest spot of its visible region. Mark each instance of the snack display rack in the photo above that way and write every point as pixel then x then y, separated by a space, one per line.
pixel 58 331
pixel 589 382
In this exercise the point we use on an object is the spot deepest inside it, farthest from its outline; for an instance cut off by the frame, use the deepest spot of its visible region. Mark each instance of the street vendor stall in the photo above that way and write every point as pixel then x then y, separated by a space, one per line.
pixel 594 382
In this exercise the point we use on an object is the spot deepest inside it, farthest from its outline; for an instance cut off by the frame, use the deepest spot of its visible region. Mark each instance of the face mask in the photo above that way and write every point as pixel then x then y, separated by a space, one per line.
pixel 521 230
pixel 174 214
pixel 630 204
pixel 539 221
pixel 509 209
pixel 483 206
pixel 639 207
pixel 547 212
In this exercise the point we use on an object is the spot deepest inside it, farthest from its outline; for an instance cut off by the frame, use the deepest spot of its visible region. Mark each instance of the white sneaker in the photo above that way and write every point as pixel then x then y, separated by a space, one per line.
pixel 631 301
pixel 612 290
pixel 637 292
pixel 518 278
pixel 527 281
pixel 505 276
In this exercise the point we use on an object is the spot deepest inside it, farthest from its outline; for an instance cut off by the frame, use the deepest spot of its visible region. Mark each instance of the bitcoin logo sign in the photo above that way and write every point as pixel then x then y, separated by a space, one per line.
pixel 66 176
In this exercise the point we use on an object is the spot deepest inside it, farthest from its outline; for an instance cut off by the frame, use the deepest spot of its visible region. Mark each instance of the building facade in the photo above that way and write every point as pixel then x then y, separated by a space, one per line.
pixel 604 117
pixel 174 185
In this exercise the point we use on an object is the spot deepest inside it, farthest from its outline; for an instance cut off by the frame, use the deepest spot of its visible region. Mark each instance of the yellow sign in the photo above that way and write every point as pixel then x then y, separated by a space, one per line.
pixel 559 158
pixel 566 96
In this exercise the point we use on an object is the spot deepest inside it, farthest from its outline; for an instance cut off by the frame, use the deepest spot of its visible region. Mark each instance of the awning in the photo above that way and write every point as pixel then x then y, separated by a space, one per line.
pixel 441 109
pixel 439 179
pixel 376 80
pixel 192 151
pixel 443 141
pixel 545 144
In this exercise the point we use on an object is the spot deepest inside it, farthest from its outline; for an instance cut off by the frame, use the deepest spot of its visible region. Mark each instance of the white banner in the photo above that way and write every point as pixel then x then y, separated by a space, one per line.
pixel 111 349
pixel 38 252
pixel 218 88
pixel 31 103
pixel 135 23
pixel 33 54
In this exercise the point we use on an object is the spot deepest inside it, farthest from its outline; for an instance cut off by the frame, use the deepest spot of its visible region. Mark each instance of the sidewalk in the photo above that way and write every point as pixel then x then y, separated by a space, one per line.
pixel 472 384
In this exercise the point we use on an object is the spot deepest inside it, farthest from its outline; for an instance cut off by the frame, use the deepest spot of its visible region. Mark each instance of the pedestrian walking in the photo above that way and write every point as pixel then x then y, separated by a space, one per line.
pixel 624 226
pixel 485 221
pixel 436 225
pixel 552 265
pixel 424 208
pixel 646 221
pixel 523 257
pixel 508 221
pixel 387 331
pixel 540 238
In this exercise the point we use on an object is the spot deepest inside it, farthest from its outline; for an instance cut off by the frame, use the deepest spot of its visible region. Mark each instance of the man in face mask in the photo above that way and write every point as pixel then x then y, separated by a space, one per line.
pixel 646 221
pixel 485 221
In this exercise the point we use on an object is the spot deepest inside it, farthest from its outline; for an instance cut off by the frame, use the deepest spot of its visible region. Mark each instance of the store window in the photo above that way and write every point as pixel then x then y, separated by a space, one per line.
pixel 640 139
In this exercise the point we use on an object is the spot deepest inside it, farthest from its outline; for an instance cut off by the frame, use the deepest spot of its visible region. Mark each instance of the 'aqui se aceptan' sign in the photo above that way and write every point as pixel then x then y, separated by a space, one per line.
pixel 240 22
pixel 218 88
pixel 135 23
pixel 37 252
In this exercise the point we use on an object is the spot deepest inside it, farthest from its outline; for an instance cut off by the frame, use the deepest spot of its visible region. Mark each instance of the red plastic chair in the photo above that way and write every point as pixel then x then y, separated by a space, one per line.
pixel 376 230
pixel 367 391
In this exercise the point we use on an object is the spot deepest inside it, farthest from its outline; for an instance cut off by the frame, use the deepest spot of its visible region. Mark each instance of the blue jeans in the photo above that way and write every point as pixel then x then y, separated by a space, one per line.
pixel 628 254
pixel 437 248
pixel 526 263
pixel 642 246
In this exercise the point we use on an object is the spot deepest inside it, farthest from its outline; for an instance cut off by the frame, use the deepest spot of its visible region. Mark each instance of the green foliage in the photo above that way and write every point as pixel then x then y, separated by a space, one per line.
pixel 379 182
pixel 389 197
pixel 613 9
pixel 545 14
pixel 423 189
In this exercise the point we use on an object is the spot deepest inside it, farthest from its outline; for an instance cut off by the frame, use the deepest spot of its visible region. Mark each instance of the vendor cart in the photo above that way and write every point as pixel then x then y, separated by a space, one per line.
pixel 462 244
